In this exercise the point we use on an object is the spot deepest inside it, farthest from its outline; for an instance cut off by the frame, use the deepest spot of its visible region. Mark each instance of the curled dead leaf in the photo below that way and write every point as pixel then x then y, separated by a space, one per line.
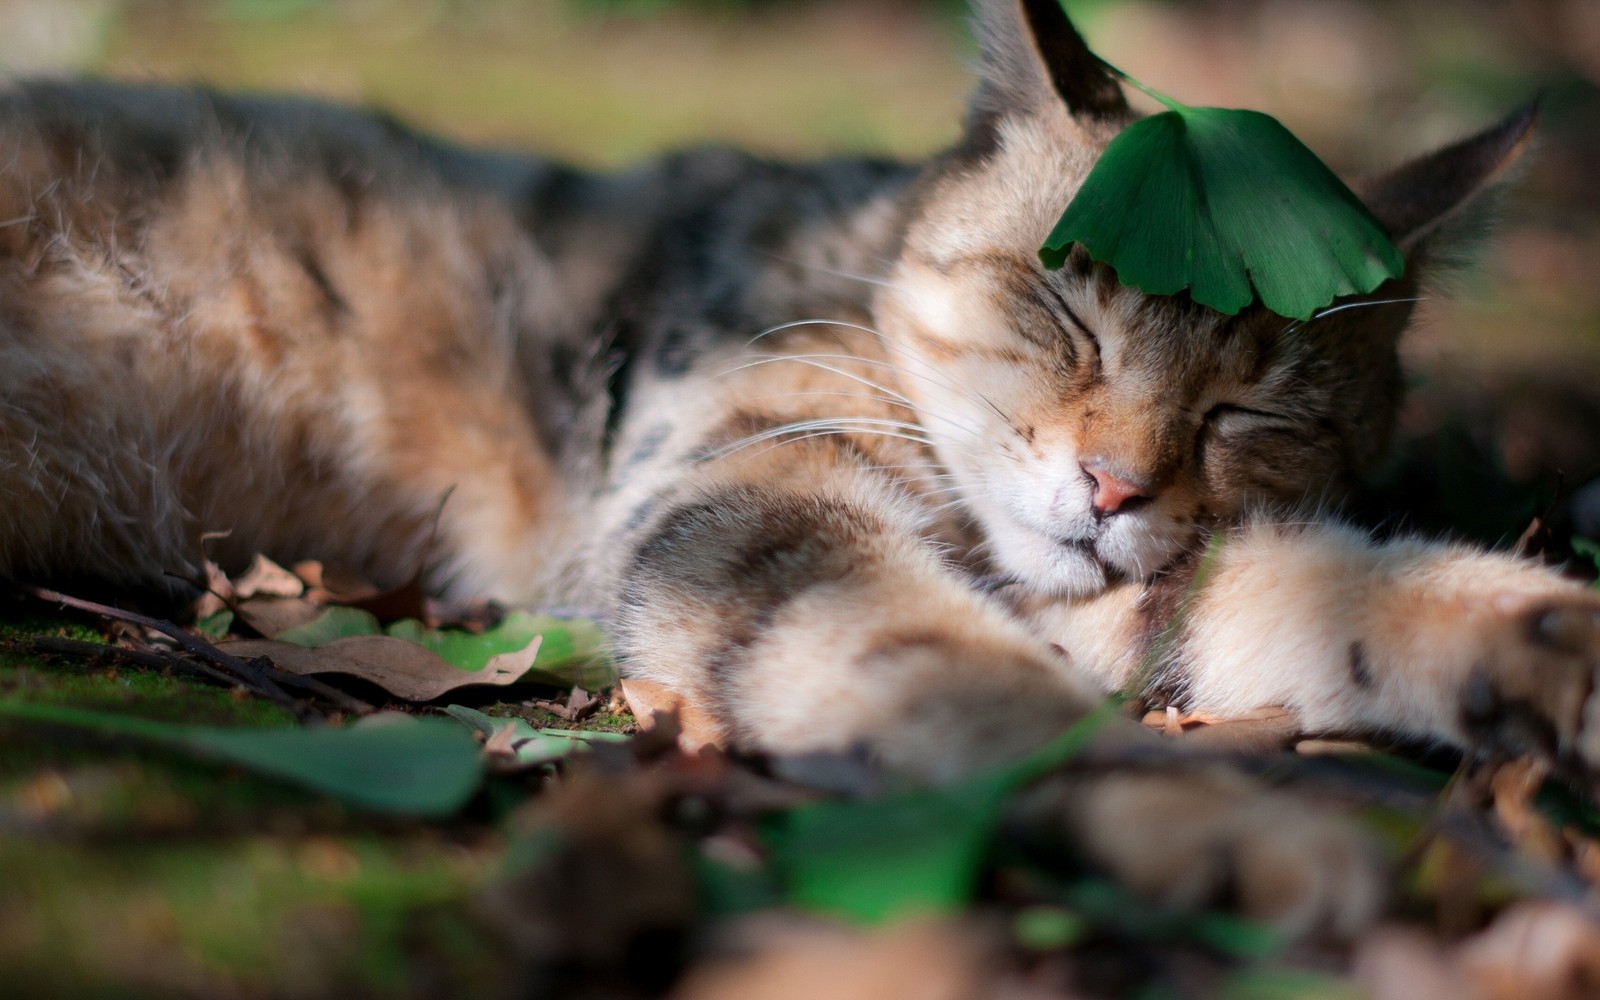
pixel 216 593
pixel 274 615
pixel 1514 785
pixel 578 706
pixel 266 578
pixel 501 743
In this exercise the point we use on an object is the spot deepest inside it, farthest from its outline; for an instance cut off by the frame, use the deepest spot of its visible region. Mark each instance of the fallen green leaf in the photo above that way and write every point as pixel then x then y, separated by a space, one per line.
pixel 215 626
pixel 1236 936
pixel 1287 984
pixel 915 851
pixel 1048 928
pixel 414 767
pixel 1102 903
pixel 1229 205
pixel 532 746
pixel 729 891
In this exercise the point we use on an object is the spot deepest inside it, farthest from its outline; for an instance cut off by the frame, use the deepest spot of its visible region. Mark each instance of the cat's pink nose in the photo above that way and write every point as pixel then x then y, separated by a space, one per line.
pixel 1110 493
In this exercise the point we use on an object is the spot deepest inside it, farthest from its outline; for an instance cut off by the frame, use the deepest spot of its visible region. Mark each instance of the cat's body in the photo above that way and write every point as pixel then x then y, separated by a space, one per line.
pixel 772 418
pixel 364 320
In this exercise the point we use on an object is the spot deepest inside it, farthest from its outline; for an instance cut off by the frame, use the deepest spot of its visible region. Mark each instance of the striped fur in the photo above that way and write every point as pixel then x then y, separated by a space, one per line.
pixel 775 417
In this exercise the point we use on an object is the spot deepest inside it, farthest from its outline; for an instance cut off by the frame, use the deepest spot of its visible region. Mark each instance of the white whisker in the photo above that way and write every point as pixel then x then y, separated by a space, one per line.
pixel 831 425
pixel 963 427
pixel 757 439
pixel 796 324
pixel 811 359
pixel 816 359
pixel 1357 305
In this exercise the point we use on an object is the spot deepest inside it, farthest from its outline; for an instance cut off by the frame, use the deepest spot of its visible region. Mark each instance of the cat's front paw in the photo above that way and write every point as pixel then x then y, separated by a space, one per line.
pixel 1199 838
pixel 1534 689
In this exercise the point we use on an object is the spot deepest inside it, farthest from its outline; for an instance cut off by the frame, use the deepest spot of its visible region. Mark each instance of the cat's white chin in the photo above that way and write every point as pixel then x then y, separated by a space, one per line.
pixel 1046 565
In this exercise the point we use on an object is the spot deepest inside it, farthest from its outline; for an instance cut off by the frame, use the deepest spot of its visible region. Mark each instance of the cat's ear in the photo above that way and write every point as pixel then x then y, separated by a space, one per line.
pixel 1440 205
pixel 1034 59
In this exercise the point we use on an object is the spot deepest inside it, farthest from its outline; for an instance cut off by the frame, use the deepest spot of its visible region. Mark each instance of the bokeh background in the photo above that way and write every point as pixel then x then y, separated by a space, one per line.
pixel 1506 367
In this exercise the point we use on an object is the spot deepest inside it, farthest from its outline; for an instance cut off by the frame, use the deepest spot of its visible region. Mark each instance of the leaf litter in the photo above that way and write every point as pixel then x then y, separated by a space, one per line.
pixel 630 866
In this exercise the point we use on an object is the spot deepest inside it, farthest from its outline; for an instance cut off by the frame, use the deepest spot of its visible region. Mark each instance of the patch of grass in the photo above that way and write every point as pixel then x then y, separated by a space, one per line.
pixel 599 90
pixel 136 691
pixel 254 915
pixel 134 871
pixel 92 785
pixel 542 718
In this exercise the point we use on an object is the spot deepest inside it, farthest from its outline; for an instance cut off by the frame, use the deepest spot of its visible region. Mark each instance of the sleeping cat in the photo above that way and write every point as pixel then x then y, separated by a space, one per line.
pixel 777 419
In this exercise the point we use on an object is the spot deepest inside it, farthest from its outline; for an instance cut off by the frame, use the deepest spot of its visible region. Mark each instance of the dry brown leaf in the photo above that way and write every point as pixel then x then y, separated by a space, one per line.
pixel 275 615
pixel 1402 963
pixel 310 573
pixel 402 668
pixel 646 699
pixel 1323 748
pixel 519 661
pixel 1585 854
pixel 266 578
pixel 218 593
pixel 343 584
pixel 1533 951
pixel 1514 785
pixel 1260 729
pixel 500 745
pixel 612 873
pixel 1543 949
pixel 578 706
pixel 404 601
pixel 333 584
pixel 791 959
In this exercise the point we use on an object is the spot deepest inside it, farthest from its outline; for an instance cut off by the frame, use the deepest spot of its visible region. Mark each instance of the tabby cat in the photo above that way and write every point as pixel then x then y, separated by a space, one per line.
pixel 779 420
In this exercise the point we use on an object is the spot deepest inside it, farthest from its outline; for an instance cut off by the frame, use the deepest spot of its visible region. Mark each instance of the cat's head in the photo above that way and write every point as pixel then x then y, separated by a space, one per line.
pixel 1093 430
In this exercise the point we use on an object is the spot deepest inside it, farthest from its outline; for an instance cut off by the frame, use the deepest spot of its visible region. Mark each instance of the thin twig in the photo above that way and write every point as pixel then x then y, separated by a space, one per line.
pixel 55 646
pixel 51 645
pixel 247 673
pixel 345 702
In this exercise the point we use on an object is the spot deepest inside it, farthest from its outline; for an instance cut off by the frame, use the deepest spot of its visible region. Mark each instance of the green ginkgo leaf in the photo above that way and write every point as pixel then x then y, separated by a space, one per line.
pixel 1229 205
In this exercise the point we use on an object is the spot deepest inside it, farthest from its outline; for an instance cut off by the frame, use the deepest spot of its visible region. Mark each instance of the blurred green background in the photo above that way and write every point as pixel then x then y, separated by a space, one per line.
pixel 1509 365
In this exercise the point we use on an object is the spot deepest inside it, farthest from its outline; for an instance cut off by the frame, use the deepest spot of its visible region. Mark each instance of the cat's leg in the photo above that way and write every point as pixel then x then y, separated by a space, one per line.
pixel 1479 649
pixel 792 598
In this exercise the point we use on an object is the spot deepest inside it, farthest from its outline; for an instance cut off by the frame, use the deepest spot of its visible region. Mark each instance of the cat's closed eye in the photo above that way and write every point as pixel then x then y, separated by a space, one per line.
pixel 1229 415
pixel 1085 343
pixel 1242 430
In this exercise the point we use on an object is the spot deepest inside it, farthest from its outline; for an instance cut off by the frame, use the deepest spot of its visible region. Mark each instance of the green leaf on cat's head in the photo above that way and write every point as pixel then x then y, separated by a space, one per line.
pixel 1229 205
